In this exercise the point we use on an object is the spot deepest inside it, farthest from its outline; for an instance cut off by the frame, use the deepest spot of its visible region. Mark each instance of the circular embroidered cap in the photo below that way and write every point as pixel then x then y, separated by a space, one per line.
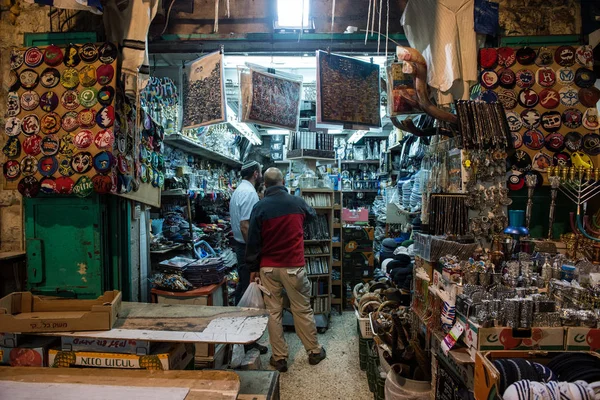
pixel 569 96
pixel 88 97
pixel 144 173
pixel 108 53
pixel 489 96
pixel 29 100
pixel 565 56
pixel 72 58
pixel 13 105
pixel 33 57
pixel 585 56
pixel 591 144
pixel 12 126
pixel 514 121
pixel 29 79
pixel 87 75
pixel 508 98
pixel 531 118
pixel 12 147
pixel 515 181
pixel 565 76
pixel 103 161
pixel 546 77
pixel 81 162
pixel 489 79
pixel 16 58
pixel 589 97
pixel 29 187
pixel 541 161
pixel 32 145
pixel 525 78
pixel 549 98
pixel 53 55
pixel 70 78
pixel 551 121
pixel 544 57
pixel 29 165
pixel 507 78
pixel 49 101
pixel 64 167
pixel 572 118
pixel 124 164
pixel 573 141
pixel 561 159
pixel 88 53
pixel 64 185
pixel 506 56
pixel 104 139
pixel 528 98
pixel 50 144
pixel 106 95
pixel 102 183
pixel 14 83
pixel 105 74
pixel 48 185
pixel 83 139
pixel 84 187
pixel 50 123
pixel 590 119
pixel 517 140
pixel 69 121
pixel 488 57
pixel 585 78
pixel 66 148
pixel 47 165
pixel 87 118
pixel 50 78
pixel 105 117
pixel 554 142
pixel 11 169
pixel 70 100
pixel 520 161
pixel 526 56
pixel 533 139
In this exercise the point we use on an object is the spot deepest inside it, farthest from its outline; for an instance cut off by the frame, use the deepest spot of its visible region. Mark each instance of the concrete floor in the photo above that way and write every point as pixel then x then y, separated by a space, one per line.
pixel 337 377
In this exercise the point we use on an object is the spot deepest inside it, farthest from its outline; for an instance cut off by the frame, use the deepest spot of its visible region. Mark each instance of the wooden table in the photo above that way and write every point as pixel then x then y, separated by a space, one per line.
pixel 211 295
pixel 202 385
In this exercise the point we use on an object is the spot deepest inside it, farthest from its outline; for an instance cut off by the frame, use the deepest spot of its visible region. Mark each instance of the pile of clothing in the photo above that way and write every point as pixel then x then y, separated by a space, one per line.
pixel 397 260
pixel 176 228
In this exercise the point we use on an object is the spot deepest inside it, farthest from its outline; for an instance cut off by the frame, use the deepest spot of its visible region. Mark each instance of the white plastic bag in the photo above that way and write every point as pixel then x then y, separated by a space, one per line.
pixel 252 297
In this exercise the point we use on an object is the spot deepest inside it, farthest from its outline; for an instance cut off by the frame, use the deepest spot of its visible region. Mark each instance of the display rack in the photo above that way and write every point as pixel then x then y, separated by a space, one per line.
pixel 338 289
pixel 181 142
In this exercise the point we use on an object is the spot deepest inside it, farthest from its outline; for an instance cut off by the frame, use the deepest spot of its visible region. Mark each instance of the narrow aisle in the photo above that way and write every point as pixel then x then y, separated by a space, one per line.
pixel 337 377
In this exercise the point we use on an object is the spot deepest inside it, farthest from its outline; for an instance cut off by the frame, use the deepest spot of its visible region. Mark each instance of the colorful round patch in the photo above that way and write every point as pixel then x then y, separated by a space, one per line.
pixel 489 96
pixel 84 187
pixel 70 78
pixel 72 58
pixel 551 121
pixel 12 147
pixel 32 145
pixel 87 75
pixel 50 144
pixel 533 139
pixel 87 118
pixel 106 95
pixel 525 78
pixel 528 98
pixel 517 140
pixel 589 97
pixel 549 98
pixel 102 183
pixel 506 56
pixel 87 97
pixel 573 141
pixel 580 159
pixel 29 165
pixel 29 186
pixel 545 57
pixel 33 57
pixel 88 53
pixel 69 121
pixel 29 79
pixel 13 81
pixel 520 161
pixel 53 55
pixel 590 119
pixel 47 165
pixel 83 139
pixel 12 126
pixel 104 139
pixel 49 101
pixel 64 185
pixel 526 56
pixel 585 78
pixel 124 164
pixel 13 106
pixel 16 58
pixel 531 118
pixel 81 162
pixel 30 100
pixel 107 53
pixel 572 118
pixel 144 173
pixel 11 169
pixel 565 56
pixel 585 56
pixel 541 161
pixel 591 144
pixel 565 76
pixel 515 181
pixel 506 78
pixel 105 117
pixel 64 167
pixel 50 78
pixel 488 57
pixel 508 98
pixel 514 121
pixel 489 79
pixel 66 147
pixel 554 142
pixel 561 159
pixel 48 185
pixel 105 74
pixel 103 161
pixel 70 100
pixel 546 77
pixel 569 96
pixel 50 123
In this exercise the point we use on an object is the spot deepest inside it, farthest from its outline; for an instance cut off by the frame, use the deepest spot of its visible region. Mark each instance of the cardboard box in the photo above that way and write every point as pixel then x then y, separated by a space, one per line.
pixel 123 346
pixel 359 215
pixel 360 234
pixel 23 312
pixel 31 352
pixel 582 338
pixel 166 357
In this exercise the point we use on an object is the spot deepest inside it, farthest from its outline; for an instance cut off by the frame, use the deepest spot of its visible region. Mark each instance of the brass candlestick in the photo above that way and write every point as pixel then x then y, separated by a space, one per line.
pixel 531 182
pixel 554 184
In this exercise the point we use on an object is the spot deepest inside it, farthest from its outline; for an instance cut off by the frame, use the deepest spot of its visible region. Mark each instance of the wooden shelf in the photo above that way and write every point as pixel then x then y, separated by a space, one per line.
pixel 164 251
pixel 337 206
pixel 337 225
pixel 336 301
pixel 315 241
pixel 317 255
pixel 336 264
pixel 320 295
pixel 191 147
pixel 360 162
pixel 323 208
pixel 318 275
pixel 361 191
pixel 337 282
pixel 316 190
pixel 336 244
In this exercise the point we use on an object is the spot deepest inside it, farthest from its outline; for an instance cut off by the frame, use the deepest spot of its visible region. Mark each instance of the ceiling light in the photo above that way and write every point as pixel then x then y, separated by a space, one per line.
pixel 278 132
pixel 293 13
pixel 356 136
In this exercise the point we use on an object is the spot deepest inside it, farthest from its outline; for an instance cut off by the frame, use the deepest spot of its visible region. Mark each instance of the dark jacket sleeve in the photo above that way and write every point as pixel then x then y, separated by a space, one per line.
pixel 309 212
pixel 254 244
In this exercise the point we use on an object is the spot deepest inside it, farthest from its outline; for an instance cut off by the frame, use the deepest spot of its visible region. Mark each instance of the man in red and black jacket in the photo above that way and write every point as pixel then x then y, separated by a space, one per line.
pixel 276 247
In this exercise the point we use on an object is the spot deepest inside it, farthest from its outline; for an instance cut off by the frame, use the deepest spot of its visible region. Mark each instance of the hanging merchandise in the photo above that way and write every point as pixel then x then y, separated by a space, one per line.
pixel 348 91
pixel 269 97
pixel 402 97
pixel 486 17
pixel 204 92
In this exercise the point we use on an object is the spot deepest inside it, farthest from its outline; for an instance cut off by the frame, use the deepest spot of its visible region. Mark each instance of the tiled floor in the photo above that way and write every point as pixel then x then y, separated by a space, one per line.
pixel 337 377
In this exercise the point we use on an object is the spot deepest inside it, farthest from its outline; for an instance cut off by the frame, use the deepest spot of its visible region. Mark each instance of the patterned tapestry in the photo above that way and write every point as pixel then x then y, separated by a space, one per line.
pixel 539 17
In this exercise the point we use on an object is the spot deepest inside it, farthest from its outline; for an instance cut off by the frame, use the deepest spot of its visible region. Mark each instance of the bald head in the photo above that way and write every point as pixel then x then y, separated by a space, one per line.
pixel 273 177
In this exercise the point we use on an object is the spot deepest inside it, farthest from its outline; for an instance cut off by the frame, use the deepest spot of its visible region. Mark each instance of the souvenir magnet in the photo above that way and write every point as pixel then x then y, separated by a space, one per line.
pixel 32 145
pixel 50 145
pixel 81 162
pixel 50 123
pixel 71 58
pixel 30 100
pixel 48 101
pixel 12 126
pixel 11 169
pixel 50 78
pixel 33 57
pixel 47 165
pixel 28 186
pixel 12 147
pixel 53 55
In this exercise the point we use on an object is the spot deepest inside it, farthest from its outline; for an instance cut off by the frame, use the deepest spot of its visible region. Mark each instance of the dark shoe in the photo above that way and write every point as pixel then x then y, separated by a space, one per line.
pixel 280 365
pixel 314 359
pixel 262 349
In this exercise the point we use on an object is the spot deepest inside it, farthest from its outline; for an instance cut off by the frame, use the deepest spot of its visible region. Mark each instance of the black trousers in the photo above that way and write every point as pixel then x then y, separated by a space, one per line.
pixel 243 271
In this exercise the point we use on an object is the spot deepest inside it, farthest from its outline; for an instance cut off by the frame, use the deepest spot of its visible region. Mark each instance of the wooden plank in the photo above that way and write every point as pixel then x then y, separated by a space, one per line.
pixel 146 194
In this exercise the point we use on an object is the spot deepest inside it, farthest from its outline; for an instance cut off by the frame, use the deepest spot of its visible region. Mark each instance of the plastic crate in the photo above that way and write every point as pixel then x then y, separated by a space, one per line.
pixel 363 355
pixel 366 332
pixel 372 368
pixel 380 385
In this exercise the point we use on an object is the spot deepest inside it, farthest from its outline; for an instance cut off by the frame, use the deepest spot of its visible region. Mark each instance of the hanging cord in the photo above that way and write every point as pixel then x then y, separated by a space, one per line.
pixel 387 28
pixel 373 16
pixel 167 17
pixel 383 34
pixel 379 29
pixel 216 28
pixel 368 19
pixel 301 22
pixel 228 10
pixel 332 15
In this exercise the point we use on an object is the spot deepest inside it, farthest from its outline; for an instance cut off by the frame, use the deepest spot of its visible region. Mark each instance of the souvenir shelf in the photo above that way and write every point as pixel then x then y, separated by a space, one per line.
pixel 181 142
pixel 360 162
pixel 337 288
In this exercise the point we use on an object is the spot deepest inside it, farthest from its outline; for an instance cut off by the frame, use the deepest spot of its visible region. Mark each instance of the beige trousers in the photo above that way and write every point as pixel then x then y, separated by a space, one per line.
pixel 297 286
